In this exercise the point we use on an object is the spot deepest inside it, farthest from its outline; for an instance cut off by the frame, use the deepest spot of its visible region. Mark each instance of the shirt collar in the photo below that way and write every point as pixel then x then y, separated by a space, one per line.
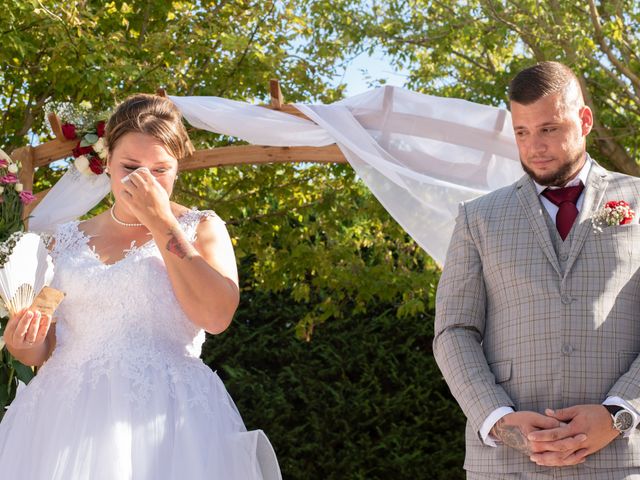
pixel 581 177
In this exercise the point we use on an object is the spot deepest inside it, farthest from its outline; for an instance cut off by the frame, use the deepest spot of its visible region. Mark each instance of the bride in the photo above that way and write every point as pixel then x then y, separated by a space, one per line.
pixel 122 393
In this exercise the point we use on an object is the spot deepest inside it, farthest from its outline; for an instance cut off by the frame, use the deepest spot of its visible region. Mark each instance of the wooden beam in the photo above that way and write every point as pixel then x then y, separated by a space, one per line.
pixel 256 154
pixel 288 108
pixel 56 126
pixel 56 150
pixel 61 148
pixel 277 99
pixel 51 151
pixel 24 155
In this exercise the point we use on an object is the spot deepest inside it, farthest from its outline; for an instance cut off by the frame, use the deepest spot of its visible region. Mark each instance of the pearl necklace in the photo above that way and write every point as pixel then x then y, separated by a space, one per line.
pixel 120 222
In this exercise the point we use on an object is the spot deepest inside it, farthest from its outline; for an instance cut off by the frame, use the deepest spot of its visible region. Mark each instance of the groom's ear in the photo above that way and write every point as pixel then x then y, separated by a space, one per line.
pixel 586 120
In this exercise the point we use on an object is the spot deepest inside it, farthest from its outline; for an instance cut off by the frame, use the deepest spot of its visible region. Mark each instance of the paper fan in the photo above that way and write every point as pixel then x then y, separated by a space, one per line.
pixel 26 268
pixel 5 157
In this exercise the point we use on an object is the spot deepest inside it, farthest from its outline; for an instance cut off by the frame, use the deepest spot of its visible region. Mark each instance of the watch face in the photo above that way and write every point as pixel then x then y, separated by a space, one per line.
pixel 623 421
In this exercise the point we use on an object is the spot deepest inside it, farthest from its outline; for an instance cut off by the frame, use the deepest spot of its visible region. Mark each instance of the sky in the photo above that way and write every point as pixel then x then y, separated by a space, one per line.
pixel 366 69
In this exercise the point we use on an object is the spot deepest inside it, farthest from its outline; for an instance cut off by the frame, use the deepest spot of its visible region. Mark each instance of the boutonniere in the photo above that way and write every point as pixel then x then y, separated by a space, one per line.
pixel 615 212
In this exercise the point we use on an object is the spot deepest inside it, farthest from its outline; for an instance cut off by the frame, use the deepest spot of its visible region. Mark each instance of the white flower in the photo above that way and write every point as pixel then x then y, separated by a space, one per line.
pixel 100 148
pixel 1 190
pixel 13 168
pixel 82 164
pixel 19 187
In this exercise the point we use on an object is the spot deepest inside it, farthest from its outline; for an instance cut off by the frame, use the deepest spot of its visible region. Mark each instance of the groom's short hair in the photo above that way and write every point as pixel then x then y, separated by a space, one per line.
pixel 541 80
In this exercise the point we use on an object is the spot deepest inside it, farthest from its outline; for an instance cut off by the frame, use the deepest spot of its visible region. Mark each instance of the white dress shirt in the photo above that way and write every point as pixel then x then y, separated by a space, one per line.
pixel 552 209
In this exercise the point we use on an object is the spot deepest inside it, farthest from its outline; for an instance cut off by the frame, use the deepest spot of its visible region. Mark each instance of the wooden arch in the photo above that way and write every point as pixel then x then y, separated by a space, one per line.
pixel 59 148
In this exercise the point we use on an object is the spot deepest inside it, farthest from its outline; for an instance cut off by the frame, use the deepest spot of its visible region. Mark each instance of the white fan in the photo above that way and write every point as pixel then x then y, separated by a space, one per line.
pixel 26 271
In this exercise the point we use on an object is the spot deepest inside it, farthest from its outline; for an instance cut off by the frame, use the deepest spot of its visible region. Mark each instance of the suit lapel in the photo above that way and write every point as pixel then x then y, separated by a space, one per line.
pixel 528 198
pixel 593 193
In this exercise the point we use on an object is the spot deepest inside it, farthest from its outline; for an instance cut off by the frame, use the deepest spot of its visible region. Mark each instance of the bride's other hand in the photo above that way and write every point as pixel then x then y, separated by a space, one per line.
pixel 146 198
pixel 26 330
pixel 30 337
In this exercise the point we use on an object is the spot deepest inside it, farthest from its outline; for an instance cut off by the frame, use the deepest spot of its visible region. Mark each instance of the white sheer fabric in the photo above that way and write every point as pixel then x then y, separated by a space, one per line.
pixel 420 155
pixel 252 123
pixel 71 197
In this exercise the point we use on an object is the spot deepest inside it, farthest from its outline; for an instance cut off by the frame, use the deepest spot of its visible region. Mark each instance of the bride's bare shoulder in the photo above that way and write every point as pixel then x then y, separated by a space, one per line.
pixel 93 225
pixel 178 210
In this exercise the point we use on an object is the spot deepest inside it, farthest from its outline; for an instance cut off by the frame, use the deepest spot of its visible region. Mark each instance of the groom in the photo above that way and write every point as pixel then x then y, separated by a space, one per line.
pixel 538 308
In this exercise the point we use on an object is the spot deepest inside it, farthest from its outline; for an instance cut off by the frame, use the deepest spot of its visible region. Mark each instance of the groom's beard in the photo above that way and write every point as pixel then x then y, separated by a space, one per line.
pixel 560 177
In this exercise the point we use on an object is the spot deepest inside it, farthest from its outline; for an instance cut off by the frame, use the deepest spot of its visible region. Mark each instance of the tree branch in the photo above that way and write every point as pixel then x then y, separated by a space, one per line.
pixel 246 50
pixel 605 141
pixel 595 21
pixel 530 40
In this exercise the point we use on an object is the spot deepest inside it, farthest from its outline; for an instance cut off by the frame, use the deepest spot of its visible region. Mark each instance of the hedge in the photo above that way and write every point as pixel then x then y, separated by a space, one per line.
pixel 363 399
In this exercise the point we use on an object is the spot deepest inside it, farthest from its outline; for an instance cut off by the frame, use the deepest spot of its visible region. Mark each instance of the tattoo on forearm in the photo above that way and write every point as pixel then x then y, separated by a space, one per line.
pixel 512 436
pixel 179 246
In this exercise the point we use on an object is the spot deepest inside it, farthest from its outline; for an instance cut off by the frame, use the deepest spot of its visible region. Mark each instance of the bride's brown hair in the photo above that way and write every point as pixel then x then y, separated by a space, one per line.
pixel 152 115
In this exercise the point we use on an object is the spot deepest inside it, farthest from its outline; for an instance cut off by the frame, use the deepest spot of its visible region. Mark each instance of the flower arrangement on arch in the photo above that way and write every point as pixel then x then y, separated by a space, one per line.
pixel 90 153
pixel 13 197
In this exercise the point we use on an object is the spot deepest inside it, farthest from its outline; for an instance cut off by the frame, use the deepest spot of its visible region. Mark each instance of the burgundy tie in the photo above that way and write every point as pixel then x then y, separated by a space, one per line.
pixel 565 199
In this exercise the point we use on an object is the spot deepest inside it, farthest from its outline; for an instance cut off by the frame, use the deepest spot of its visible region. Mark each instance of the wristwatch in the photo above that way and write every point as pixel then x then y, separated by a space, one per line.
pixel 622 418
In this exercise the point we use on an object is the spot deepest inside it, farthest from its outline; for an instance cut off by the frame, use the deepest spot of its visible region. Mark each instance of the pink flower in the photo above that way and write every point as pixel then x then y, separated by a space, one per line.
pixel 8 178
pixel 26 197
pixel 3 163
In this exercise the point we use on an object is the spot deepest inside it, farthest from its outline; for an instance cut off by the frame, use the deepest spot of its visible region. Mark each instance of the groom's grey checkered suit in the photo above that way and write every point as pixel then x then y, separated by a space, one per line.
pixel 526 320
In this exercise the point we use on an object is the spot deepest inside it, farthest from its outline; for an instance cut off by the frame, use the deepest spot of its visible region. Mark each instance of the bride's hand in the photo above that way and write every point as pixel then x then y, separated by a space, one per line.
pixel 146 198
pixel 26 330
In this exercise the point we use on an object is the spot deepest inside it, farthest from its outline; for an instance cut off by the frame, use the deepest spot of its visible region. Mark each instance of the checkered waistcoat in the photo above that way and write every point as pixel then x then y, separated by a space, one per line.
pixel 519 324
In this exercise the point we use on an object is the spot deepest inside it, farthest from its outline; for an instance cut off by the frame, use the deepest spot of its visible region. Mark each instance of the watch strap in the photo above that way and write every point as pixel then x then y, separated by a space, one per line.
pixel 613 409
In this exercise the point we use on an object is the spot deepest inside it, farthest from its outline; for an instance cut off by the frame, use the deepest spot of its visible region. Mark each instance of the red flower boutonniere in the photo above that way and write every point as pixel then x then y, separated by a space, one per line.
pixel 615 212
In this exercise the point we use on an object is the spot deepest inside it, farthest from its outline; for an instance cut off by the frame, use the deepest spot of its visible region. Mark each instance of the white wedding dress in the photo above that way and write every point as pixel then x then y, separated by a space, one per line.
pixel 124 394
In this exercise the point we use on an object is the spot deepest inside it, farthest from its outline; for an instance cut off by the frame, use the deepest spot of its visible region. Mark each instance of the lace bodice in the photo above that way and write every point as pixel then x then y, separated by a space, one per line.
pixel 122 316
pixel 112 310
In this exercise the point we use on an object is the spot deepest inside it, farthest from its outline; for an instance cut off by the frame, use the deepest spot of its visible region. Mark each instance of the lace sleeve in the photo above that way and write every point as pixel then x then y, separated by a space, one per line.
pixel 64 238
pixel 192 219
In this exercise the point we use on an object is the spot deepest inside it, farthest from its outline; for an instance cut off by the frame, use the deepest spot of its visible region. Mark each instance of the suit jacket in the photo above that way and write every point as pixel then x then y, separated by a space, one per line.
pixel 518 324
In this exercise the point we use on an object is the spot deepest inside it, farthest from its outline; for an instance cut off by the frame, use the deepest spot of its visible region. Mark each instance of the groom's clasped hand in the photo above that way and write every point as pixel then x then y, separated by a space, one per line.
pixel 560 437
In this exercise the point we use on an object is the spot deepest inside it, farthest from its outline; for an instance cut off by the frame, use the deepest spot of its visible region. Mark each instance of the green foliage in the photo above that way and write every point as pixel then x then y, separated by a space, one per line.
pixel 11 372
pixel 99 52
pixel 10 213
pixel 363 400
pixel 11 228
pixel 317 233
